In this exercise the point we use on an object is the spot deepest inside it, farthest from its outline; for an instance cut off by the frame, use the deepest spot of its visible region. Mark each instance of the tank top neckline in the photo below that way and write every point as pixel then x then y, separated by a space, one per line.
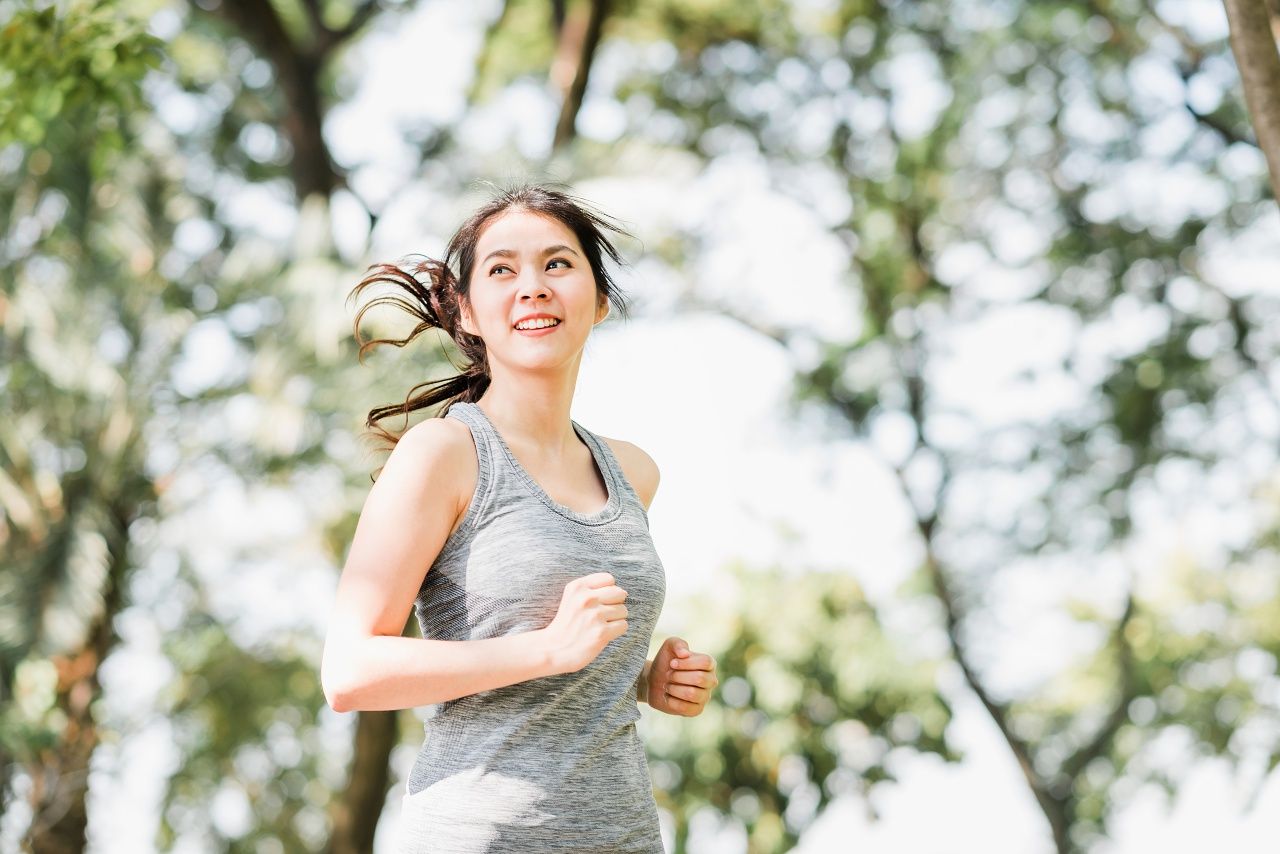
pixel 613 505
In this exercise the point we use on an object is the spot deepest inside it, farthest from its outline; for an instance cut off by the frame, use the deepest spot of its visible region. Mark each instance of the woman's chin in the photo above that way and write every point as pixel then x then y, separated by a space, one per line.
pixel 550 359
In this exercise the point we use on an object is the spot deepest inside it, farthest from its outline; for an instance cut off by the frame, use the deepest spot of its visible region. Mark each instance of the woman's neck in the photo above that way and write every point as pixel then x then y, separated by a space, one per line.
pixel 535 419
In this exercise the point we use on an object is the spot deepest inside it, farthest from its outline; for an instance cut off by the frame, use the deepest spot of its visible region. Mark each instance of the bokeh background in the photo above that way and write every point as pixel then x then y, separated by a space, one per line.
pixel 954 338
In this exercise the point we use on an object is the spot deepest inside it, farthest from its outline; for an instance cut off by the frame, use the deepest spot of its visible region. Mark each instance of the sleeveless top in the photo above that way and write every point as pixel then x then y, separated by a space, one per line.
pixel 552 763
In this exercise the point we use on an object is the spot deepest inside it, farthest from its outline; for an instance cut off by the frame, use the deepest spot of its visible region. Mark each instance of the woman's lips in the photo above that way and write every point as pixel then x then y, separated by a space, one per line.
pixel 535 333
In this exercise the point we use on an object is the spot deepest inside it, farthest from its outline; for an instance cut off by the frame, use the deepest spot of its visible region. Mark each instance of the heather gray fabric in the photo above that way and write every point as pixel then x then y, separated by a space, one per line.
pixel 549 764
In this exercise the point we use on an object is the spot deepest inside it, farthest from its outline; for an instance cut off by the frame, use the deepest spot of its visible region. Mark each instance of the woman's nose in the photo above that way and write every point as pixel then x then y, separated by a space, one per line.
pixel 532 285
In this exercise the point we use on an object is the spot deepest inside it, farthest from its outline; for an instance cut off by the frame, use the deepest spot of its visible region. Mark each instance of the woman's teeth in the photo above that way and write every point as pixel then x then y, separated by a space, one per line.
pixel 537 324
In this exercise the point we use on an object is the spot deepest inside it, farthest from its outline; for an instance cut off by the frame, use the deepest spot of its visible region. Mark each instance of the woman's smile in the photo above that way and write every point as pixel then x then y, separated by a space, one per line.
pixel 536 333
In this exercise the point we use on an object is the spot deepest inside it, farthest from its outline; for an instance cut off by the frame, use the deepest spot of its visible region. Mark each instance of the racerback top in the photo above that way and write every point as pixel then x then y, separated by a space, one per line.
pixel 552 763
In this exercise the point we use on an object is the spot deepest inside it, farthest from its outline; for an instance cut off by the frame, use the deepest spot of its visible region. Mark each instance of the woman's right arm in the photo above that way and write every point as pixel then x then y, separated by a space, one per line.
pixel 367 664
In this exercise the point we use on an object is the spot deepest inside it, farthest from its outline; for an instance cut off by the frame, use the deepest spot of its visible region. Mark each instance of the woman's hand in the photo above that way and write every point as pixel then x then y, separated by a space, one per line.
pixel 680 681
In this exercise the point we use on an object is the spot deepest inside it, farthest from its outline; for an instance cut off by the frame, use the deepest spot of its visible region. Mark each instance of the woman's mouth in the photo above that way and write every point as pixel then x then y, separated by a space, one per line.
pixel 538 331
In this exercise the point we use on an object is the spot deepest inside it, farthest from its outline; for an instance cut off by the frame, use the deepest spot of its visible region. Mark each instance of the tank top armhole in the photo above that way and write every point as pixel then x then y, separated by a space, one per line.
pixel 484 483
pixel 619 476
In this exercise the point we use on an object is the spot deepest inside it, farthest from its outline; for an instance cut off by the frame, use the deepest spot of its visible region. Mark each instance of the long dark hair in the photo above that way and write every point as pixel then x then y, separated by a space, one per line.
pixel 435 303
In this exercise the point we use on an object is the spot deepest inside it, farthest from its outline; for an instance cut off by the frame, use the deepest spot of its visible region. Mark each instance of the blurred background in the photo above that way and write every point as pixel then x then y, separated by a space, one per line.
pixel 954 337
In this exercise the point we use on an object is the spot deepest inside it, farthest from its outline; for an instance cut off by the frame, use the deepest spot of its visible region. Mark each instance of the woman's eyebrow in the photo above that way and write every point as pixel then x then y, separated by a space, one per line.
pixel 510 253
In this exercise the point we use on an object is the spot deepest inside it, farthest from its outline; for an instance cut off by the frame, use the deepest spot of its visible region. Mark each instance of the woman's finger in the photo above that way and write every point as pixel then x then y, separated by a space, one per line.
pixel 682 706
pixel 693 693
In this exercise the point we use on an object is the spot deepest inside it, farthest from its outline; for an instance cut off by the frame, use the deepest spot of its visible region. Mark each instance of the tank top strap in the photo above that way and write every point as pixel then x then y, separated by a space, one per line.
pixel 503 475
pixel 628 495
pixel 488 466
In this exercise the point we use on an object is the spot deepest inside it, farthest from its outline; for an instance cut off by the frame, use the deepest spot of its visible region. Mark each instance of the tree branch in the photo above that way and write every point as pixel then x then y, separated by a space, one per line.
pixel 1076 762
pixel 335 38
pixel 1224 130
pixel 579 39
pixel 312 8
pixel 1186 70
pixel 781 335
pixel 486 51
pixel 298 71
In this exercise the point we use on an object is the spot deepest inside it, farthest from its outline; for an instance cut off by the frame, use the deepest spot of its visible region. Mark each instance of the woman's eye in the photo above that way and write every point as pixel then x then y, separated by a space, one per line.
pixel 498 267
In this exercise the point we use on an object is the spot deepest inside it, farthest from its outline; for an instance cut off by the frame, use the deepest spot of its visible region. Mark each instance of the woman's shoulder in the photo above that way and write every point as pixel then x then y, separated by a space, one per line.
pixel 449 437
pixel 637 465
pixel 443 447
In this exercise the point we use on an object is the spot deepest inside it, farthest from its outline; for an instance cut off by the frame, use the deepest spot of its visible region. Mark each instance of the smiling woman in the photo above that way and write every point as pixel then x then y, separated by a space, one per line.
pixel 522 544
pixel 451 302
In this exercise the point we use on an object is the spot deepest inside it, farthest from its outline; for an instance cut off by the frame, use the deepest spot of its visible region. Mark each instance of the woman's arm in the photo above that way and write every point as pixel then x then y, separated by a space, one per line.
pixel 386 672
pixel 367 664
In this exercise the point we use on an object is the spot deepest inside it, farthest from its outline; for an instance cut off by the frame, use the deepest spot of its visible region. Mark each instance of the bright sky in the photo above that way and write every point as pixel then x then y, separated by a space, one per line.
pixel 706 399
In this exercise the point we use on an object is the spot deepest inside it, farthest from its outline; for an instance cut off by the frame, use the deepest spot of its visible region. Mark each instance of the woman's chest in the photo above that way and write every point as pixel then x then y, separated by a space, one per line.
pixel 533 557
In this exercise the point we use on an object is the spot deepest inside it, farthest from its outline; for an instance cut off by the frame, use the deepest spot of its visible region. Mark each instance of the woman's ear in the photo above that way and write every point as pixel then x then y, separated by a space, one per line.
pixel 464 319
pixel 602 307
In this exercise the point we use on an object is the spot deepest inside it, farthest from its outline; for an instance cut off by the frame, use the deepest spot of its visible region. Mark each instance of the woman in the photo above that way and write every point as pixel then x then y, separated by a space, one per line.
pixel 521 539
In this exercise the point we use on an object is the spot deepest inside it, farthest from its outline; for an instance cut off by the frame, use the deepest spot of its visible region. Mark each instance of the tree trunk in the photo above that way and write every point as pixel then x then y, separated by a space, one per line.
pixel 1253 42
pixel 297 72
pixel 61 776
pixel 355 815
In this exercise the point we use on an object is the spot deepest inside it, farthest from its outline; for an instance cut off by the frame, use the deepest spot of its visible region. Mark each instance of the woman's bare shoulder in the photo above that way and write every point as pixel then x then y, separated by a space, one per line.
pixel 447 444
pixel 446 438
pixel 640 469
pixel 452 433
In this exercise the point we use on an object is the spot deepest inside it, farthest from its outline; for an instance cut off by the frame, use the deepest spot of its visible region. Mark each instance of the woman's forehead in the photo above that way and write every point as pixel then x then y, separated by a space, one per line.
pixel 523 230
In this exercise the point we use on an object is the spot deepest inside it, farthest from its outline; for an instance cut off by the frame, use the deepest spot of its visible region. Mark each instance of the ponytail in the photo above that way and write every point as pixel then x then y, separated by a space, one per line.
pixel 435 305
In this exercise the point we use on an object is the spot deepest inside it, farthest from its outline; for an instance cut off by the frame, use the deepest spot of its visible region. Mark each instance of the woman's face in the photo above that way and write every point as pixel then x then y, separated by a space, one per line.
pixel 529 263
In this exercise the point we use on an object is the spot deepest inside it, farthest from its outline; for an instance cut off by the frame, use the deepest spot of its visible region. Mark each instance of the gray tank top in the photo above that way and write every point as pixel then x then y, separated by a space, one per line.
pixel 553 763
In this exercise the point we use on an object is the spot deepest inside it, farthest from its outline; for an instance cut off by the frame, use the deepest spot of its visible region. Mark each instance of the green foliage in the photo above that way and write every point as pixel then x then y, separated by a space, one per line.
pixel 691 26
pixel 521 49
pixel 80 62
pixel 1200 650
pixel 245 721
pixel 72 472
pixel 814 696
pixel 1039 120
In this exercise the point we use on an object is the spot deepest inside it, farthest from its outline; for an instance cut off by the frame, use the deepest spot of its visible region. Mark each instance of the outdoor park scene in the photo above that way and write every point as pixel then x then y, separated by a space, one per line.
pixel 951 327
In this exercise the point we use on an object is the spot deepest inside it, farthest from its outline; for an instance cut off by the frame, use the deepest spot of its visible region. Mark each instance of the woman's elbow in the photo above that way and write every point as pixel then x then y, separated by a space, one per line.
pixel 337 688
pixel 338 700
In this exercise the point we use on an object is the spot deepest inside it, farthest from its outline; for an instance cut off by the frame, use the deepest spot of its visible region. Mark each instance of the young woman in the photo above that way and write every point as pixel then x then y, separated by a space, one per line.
pixel 521 540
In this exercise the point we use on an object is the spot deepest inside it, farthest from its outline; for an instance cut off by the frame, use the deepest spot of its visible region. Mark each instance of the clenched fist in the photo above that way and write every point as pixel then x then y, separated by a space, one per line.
pixel 591 614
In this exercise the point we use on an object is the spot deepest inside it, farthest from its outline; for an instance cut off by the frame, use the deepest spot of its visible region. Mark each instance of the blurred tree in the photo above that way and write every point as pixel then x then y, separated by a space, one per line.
pixel 114 202
pixel 577 40
pixel 1009 168
pixel 126 244
pixel 245 723
pixel 299 42
pixel 814 698
pixel 73 477
pixel 298 38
